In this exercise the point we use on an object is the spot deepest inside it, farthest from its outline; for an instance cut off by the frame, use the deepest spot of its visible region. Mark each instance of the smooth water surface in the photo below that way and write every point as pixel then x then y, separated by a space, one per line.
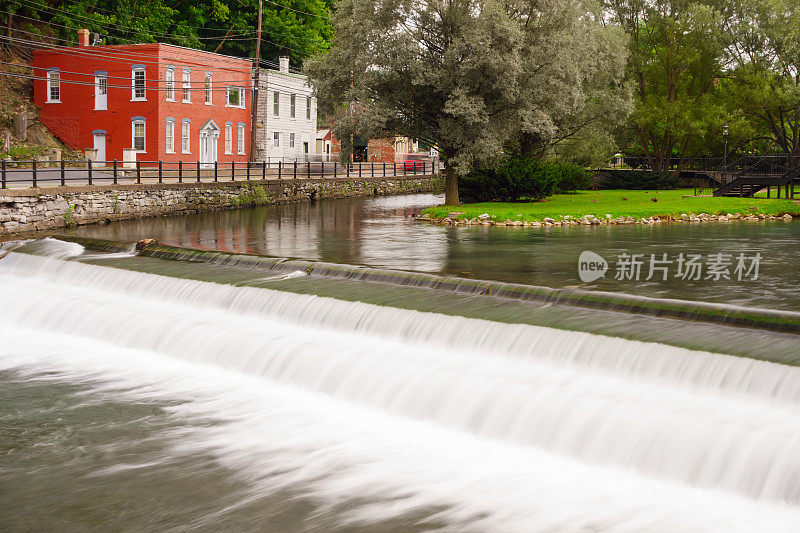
pixel 379 232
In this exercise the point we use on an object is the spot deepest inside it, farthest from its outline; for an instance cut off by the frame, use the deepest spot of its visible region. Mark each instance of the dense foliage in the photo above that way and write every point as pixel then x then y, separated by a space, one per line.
pixel 642 180
pixel 298 28
pixel 697 64
pixel 475 77
pixel 522 178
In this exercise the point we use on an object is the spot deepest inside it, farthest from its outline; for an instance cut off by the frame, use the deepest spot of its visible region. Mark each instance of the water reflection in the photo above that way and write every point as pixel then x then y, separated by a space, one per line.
pixel 379 232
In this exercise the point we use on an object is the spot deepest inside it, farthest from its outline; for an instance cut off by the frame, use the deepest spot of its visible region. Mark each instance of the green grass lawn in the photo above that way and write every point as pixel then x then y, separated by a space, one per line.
pixel 637 204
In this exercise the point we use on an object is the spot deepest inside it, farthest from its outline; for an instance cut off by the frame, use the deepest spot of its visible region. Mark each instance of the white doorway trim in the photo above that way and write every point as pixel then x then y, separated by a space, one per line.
pixel 209 134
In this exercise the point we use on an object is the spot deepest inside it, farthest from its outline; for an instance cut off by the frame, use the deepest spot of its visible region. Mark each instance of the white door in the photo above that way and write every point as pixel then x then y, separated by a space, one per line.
pixel 100 92
pixel 203 148
pixel 208 148
pixel 209 133
pixel 100 146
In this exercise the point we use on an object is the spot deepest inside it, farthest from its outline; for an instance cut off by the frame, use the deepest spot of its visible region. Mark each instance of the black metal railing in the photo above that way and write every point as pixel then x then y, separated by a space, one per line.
pixel 37 173
pixel 774 163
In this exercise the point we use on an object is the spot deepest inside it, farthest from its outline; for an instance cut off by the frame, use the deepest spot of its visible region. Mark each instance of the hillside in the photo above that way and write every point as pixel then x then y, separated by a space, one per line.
pixel 16 97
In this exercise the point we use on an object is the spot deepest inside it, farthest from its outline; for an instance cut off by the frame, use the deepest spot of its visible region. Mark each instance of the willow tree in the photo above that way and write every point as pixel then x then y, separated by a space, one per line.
pixel 572 90
pixel 444 71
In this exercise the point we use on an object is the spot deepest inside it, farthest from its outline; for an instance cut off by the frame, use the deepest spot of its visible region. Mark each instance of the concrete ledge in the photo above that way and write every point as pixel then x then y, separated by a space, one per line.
pixel 729 315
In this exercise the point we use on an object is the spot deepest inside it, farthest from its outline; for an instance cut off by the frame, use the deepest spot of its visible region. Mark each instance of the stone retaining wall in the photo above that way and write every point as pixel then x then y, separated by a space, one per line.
pixel 24 210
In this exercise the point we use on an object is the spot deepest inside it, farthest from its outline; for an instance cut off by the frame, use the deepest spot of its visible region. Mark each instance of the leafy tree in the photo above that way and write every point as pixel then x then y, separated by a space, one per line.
pixel 677 53
pixel 475 77
pixel 442 70
pixel 572 78
pixel 298 28
pixel 764 83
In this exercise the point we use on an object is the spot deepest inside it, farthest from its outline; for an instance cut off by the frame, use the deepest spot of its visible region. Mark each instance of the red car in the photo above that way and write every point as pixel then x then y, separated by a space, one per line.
pixel 414 166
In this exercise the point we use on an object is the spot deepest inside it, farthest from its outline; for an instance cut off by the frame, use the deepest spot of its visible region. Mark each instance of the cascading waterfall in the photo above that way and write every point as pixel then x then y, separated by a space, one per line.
pixel 529 428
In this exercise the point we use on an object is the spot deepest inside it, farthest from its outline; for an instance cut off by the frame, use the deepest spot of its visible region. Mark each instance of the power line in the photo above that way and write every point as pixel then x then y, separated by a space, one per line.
pixel 296 10
pixel 140 30
pixel 117 54
pixel 128 78
pixel 127 61
pixel 176 89
pixel 56 11
pixel 50 23
pixel 127 56
pixel 112 12
pixel 137 42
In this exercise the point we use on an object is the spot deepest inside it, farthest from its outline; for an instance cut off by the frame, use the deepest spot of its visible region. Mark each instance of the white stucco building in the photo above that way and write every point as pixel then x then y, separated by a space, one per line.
pixel 286 124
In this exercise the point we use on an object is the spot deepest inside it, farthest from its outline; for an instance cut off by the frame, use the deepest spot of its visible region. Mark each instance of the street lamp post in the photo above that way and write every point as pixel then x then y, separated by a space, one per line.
pixel 725 129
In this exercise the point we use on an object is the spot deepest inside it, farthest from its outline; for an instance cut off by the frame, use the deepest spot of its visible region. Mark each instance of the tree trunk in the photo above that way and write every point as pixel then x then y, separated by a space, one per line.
pixel 450 185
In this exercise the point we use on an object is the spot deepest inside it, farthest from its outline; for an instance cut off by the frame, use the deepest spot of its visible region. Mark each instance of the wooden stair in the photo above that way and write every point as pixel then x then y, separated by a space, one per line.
pixel 746 184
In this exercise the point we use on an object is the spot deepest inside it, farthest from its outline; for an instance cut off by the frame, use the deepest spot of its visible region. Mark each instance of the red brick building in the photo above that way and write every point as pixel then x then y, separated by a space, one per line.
pixel 152 101
pixel 380 150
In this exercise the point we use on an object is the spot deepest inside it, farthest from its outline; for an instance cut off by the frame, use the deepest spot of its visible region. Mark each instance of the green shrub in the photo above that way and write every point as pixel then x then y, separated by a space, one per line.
pixel 638 180
pixel 521 178
pixel 572 177
pixel 250 196
pixel 23 153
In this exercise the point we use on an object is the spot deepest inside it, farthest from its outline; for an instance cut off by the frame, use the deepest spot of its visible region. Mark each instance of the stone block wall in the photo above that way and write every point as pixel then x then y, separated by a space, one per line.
pixel 25 210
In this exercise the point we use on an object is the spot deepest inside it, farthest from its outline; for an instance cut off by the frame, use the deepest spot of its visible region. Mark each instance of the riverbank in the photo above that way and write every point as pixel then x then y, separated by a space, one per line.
pixel 615 207
pixel 34 209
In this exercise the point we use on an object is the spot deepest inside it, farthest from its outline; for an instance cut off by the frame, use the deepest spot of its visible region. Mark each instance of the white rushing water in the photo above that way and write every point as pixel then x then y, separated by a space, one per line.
pixel 499 427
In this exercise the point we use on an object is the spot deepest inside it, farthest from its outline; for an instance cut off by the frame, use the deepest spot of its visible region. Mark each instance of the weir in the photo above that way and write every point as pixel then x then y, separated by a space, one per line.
pixel 623 421
pixel 768 319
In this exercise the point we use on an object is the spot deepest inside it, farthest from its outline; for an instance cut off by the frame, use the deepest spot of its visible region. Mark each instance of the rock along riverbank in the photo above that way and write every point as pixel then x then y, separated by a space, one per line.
pixel 453 219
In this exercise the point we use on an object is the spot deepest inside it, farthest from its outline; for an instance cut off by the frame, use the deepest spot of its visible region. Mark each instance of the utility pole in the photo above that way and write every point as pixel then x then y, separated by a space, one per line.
pixel 256 76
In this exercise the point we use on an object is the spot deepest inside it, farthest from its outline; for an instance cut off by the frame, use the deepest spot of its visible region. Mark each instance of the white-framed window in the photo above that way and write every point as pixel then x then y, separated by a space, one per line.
pixel 137 134
pixel 234 97
pixel 100 91
pixel 187 85
pixel 186 129
pixel 291 140
pixel 308 108
pixel 292 105
pixel 276 139
pixel 53 86
pixel 240 137
pixel 228 138
pixel 276 103
pixel 208 88
pixel 137 84
pixel 305 148
pixel 170 136
pixel 169 86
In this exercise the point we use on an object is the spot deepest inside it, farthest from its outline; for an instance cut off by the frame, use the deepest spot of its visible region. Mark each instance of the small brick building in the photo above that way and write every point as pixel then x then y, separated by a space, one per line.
pixel 150 102
pixel 380 150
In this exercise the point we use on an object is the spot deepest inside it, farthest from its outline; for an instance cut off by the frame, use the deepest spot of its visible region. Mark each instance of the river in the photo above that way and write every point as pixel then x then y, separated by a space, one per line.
pixel 379 232
pixel 142 394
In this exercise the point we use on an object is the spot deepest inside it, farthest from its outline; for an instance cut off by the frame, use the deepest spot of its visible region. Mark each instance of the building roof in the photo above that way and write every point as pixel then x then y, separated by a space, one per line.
pixel 123 47
pixel 272 71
